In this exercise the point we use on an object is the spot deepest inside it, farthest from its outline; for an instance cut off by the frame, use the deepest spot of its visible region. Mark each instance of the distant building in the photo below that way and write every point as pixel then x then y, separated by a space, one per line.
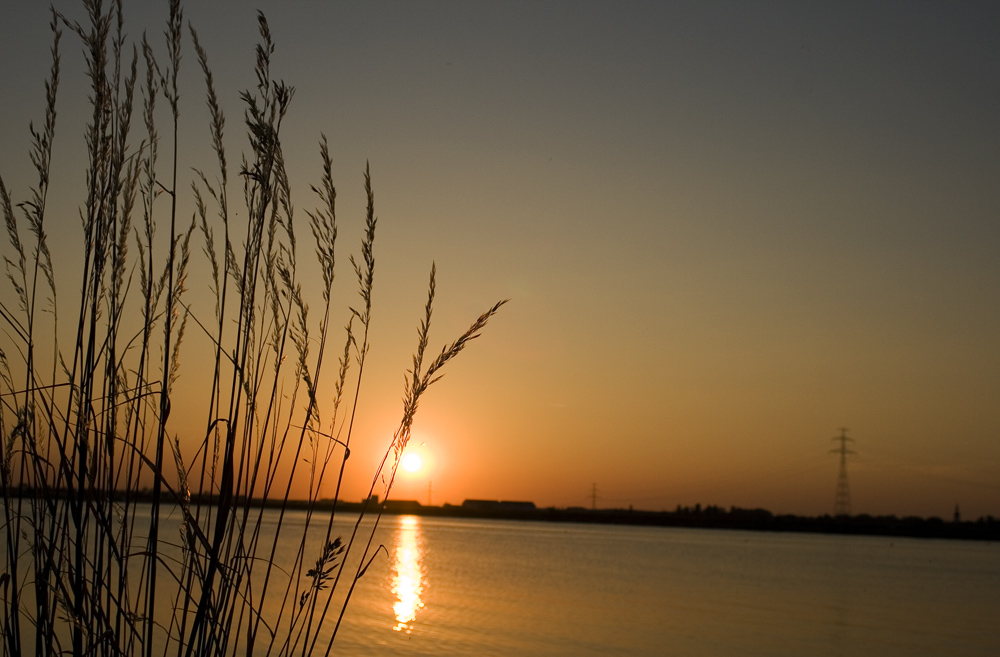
pixel 516 506
pixel 401 506
pixel 494 505
pixel 480 505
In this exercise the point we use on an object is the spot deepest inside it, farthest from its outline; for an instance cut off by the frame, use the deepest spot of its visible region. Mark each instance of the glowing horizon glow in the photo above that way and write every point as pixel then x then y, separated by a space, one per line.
pixel 803 237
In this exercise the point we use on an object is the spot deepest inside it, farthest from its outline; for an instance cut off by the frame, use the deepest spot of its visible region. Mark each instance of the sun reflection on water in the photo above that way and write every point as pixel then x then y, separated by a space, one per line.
pixel 407 578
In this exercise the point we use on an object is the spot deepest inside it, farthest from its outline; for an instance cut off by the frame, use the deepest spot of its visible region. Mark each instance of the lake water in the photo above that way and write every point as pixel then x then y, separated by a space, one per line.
pixel 450 587
pixel 464 587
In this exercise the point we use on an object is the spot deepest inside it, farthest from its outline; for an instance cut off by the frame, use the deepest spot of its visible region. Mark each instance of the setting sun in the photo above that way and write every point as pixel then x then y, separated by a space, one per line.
pixel 412 462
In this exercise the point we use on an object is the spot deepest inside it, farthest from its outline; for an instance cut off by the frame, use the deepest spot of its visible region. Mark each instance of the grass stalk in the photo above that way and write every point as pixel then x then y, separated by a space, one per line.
pixel 92 463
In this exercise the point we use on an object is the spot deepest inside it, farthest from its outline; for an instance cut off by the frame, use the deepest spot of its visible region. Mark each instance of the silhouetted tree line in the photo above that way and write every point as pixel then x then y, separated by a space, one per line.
pixel 708 517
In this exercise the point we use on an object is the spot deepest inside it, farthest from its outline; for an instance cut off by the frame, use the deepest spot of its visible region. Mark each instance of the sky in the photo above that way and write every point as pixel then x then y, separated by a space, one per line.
pixel 727 230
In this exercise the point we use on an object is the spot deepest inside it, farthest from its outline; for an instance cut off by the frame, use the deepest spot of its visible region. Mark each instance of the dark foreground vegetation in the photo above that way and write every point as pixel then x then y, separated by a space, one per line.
pixel 92 379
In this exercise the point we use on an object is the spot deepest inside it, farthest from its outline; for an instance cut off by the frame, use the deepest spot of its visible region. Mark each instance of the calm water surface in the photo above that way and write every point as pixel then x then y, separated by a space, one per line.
pixel 463 587
pixel 449 587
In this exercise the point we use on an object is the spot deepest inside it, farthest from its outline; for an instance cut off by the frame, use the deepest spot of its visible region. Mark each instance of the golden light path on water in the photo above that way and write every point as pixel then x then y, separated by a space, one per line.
pixel 407 580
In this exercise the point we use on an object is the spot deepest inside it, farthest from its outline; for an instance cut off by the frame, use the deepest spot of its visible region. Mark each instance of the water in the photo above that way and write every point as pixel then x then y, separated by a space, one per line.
pixel 461 587
pixel 450 587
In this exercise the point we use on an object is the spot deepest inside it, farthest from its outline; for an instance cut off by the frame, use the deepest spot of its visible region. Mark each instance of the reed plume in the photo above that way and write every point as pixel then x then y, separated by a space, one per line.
pixel 92 460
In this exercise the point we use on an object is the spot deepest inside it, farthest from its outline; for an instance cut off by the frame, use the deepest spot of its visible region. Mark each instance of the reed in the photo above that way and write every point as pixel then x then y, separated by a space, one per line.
pixel 91 462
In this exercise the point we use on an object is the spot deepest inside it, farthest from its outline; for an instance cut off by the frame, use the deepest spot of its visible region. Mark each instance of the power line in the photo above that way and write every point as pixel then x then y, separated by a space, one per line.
pixel 842 501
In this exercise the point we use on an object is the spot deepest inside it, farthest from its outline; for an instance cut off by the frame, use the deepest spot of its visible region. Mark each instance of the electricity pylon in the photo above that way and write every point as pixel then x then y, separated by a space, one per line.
pixel 842 502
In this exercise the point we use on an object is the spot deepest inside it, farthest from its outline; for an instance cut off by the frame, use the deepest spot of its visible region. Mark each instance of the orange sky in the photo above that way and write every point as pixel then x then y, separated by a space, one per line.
pixel 727 230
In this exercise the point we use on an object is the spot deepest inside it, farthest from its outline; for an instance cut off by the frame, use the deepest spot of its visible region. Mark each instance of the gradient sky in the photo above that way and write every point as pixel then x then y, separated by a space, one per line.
pixel 727 230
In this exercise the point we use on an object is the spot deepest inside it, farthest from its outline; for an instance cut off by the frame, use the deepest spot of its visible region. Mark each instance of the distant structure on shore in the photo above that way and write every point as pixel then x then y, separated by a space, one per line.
pixel 985 528
pixel 842 501
pixel 401 506
pixel 494 505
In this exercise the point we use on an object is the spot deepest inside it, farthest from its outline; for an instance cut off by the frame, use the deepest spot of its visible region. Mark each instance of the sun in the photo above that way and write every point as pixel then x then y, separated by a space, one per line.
pixel 412 462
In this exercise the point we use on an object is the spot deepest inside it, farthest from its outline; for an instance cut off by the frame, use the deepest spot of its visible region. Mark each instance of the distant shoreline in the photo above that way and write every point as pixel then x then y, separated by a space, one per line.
pixel 983 529
pixel 711 517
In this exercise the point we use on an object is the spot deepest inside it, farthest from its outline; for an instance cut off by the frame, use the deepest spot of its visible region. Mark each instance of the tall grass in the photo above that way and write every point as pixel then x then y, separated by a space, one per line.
pixel 92 460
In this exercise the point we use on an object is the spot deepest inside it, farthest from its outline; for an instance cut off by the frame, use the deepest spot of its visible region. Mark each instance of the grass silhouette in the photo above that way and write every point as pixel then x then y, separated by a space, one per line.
pixel 91 462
